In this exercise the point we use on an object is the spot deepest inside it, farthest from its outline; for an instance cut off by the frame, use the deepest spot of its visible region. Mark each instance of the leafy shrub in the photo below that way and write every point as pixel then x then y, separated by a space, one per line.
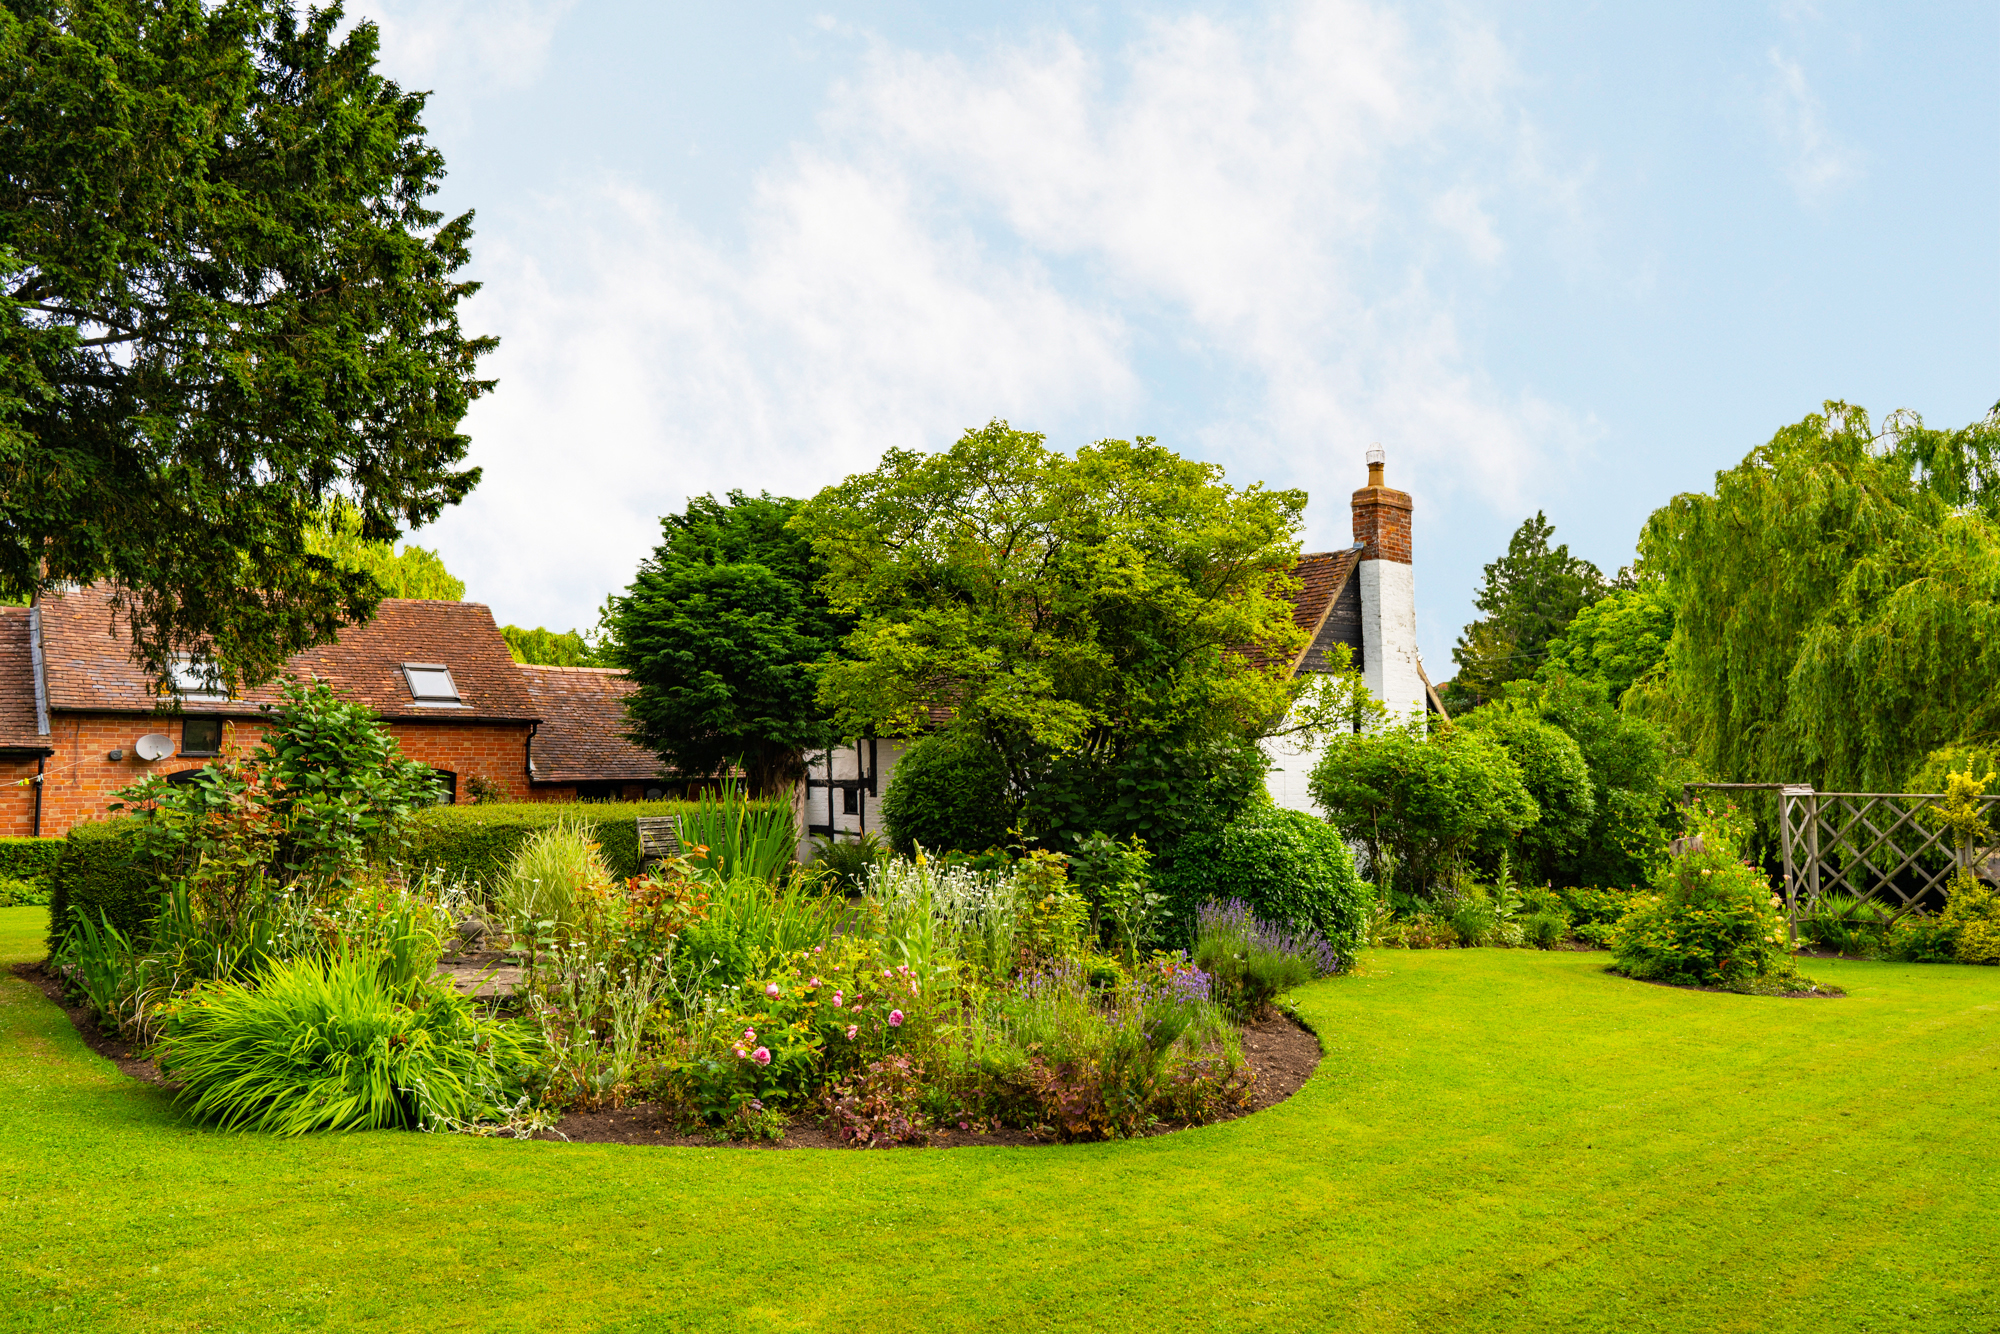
pixel 880 1104
pixel 100 876
pixel 1971 920
pixel 1546 928
pixel 31 859
pixel 1429 799
pixel 1712 921
pixel 950 792
pixel 1249 961
pixel 1847 924
pixel 328 1044
pixel 1115 879
pixel 1417 931
pixel 1472 917
pixel 1555 775
pixel 847 862
pixel 22 894
pixel 476 844
pixel 1290 869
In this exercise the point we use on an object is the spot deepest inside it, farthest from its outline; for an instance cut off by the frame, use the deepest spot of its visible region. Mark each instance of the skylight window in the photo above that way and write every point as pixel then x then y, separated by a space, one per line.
pixel 431 683
pixel 196 679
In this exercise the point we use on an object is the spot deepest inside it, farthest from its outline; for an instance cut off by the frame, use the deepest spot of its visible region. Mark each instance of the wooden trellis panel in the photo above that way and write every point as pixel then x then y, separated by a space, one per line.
pixel 1873 845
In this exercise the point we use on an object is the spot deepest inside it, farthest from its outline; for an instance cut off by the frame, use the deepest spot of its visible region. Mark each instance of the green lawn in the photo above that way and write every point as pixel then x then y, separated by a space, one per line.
pixel 1497 1140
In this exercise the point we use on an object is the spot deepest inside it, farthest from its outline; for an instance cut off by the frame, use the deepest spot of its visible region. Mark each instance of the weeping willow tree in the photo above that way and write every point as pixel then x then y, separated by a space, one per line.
pixel 1836 603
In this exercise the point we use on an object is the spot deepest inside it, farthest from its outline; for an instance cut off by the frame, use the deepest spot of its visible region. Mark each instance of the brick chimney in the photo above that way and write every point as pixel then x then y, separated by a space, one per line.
pixel 1388 593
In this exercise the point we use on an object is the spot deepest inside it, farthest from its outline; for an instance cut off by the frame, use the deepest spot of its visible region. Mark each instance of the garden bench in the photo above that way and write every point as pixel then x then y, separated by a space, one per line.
pixel 659 838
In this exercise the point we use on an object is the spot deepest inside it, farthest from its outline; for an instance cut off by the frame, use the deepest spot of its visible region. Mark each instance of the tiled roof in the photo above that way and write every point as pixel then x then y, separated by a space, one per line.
pixel 582 736
pixel 1321 575
pixel 17 685
pixel 90 667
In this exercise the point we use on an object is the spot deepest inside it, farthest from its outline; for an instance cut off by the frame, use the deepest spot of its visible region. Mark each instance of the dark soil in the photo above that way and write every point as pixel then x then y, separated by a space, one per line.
pixel 111 1047
pixel 1279 1051
pixel 1282 1054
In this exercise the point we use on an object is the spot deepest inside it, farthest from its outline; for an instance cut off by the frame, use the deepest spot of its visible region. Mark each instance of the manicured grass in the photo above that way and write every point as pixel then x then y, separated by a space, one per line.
pixel 1497 1141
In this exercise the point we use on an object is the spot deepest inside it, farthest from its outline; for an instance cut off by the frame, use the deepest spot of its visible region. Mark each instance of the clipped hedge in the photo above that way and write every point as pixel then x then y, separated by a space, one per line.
pixel 1292 869
pixel 29 858
pixel 94 874
pixel 477 842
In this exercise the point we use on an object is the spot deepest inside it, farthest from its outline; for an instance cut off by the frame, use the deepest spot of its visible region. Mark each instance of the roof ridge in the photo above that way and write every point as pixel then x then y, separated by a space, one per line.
pixel 552 667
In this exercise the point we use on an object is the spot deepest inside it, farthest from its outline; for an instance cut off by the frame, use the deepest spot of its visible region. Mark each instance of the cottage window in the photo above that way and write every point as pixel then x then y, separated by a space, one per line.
pixel 431 683
pixel 447 786
pixel 195 678
pixel 201 736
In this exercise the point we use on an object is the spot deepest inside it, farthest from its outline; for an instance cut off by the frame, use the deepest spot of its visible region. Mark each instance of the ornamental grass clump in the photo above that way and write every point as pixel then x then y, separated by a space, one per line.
pixel 1712 921
pixel 332 1044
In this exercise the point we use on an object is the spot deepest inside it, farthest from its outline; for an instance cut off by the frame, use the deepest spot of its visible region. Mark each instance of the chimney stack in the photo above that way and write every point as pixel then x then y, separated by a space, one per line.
pixel 1388 593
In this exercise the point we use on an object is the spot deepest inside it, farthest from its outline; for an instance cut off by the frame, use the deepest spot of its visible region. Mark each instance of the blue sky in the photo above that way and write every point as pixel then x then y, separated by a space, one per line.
pixel 1570 257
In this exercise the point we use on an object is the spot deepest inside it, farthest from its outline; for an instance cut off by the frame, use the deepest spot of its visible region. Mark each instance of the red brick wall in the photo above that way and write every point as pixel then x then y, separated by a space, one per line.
pixel 81 778
pixel 1382 523
pixel 17 800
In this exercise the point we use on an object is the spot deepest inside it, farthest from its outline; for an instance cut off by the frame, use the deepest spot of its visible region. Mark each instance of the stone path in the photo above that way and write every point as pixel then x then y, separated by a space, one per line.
pixel 483 975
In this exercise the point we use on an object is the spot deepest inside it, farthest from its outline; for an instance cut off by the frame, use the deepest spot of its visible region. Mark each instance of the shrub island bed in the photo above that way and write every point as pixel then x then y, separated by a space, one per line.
pixel 289 978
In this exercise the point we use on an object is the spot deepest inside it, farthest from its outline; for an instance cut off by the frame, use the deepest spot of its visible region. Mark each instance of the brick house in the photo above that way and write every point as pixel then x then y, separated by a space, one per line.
pixel 73 707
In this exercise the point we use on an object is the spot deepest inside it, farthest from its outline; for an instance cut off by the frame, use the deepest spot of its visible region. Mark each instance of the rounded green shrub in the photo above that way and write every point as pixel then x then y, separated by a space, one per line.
pixel 1289 868
pixel 949 793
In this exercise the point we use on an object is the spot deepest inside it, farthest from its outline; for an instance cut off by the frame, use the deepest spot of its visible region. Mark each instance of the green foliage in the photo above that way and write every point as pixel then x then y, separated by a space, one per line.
pixel 1635 780
pixel 1846 924
pixel 848 861
pixel 949 792
pixel 1116 879
pixel 22 893
pixel 328 1044
pixel 1553 771
pixel 1711 921
pixel 101 876
pixel 29 858
pixel 737 838
pixel 222 299
pixel 555 881
pixel 1160 789
pixel 412 572
pixel 1289 869
pixel 1070 611
pixel 325 789
pixel 1616 641
pixel 1429 799
pixel 1836 604
pixel 721 632
pixel 552 648
pixel 1529 597
pixel 477 843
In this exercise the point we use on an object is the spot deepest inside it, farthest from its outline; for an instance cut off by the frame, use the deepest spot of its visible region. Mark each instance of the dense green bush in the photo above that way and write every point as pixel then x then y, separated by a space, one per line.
pixel 1712 921
pixel 1289 868
pixel 99 875
pixel 478 843
pixel 29 858
pixel 1430 799
pixel 1553 771
pixel 949 792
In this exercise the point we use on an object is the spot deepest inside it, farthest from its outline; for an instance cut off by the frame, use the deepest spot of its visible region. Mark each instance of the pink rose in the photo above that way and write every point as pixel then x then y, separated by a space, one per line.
pixel 895 1018
pixel 761 1056
pixel 749 1035
pixel 814 984
pixel 771 990
pixel 852 1029
pixel 838 1000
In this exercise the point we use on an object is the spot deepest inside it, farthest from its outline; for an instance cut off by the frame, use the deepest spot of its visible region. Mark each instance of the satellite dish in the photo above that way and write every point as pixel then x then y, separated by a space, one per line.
pixel 154 746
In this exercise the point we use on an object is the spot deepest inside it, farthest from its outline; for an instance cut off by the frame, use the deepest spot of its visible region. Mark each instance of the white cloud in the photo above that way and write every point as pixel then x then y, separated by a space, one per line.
pixel 1816 162
pixel 474 44
pixel 1036 231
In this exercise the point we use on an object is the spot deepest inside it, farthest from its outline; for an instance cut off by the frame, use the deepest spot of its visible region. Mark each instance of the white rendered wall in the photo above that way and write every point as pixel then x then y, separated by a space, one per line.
pixel 1291 765
pixel 1389 635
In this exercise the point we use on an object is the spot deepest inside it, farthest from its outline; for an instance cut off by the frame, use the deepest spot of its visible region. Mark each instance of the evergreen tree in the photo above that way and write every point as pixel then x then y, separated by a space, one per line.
pixel 1530 595
pixel 722 632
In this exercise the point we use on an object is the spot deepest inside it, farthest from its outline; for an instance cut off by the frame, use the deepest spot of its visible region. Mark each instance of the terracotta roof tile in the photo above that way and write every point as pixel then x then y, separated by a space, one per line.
pixel 18 729
pixel 582 736
pixel 90 667
pixel 1321 575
